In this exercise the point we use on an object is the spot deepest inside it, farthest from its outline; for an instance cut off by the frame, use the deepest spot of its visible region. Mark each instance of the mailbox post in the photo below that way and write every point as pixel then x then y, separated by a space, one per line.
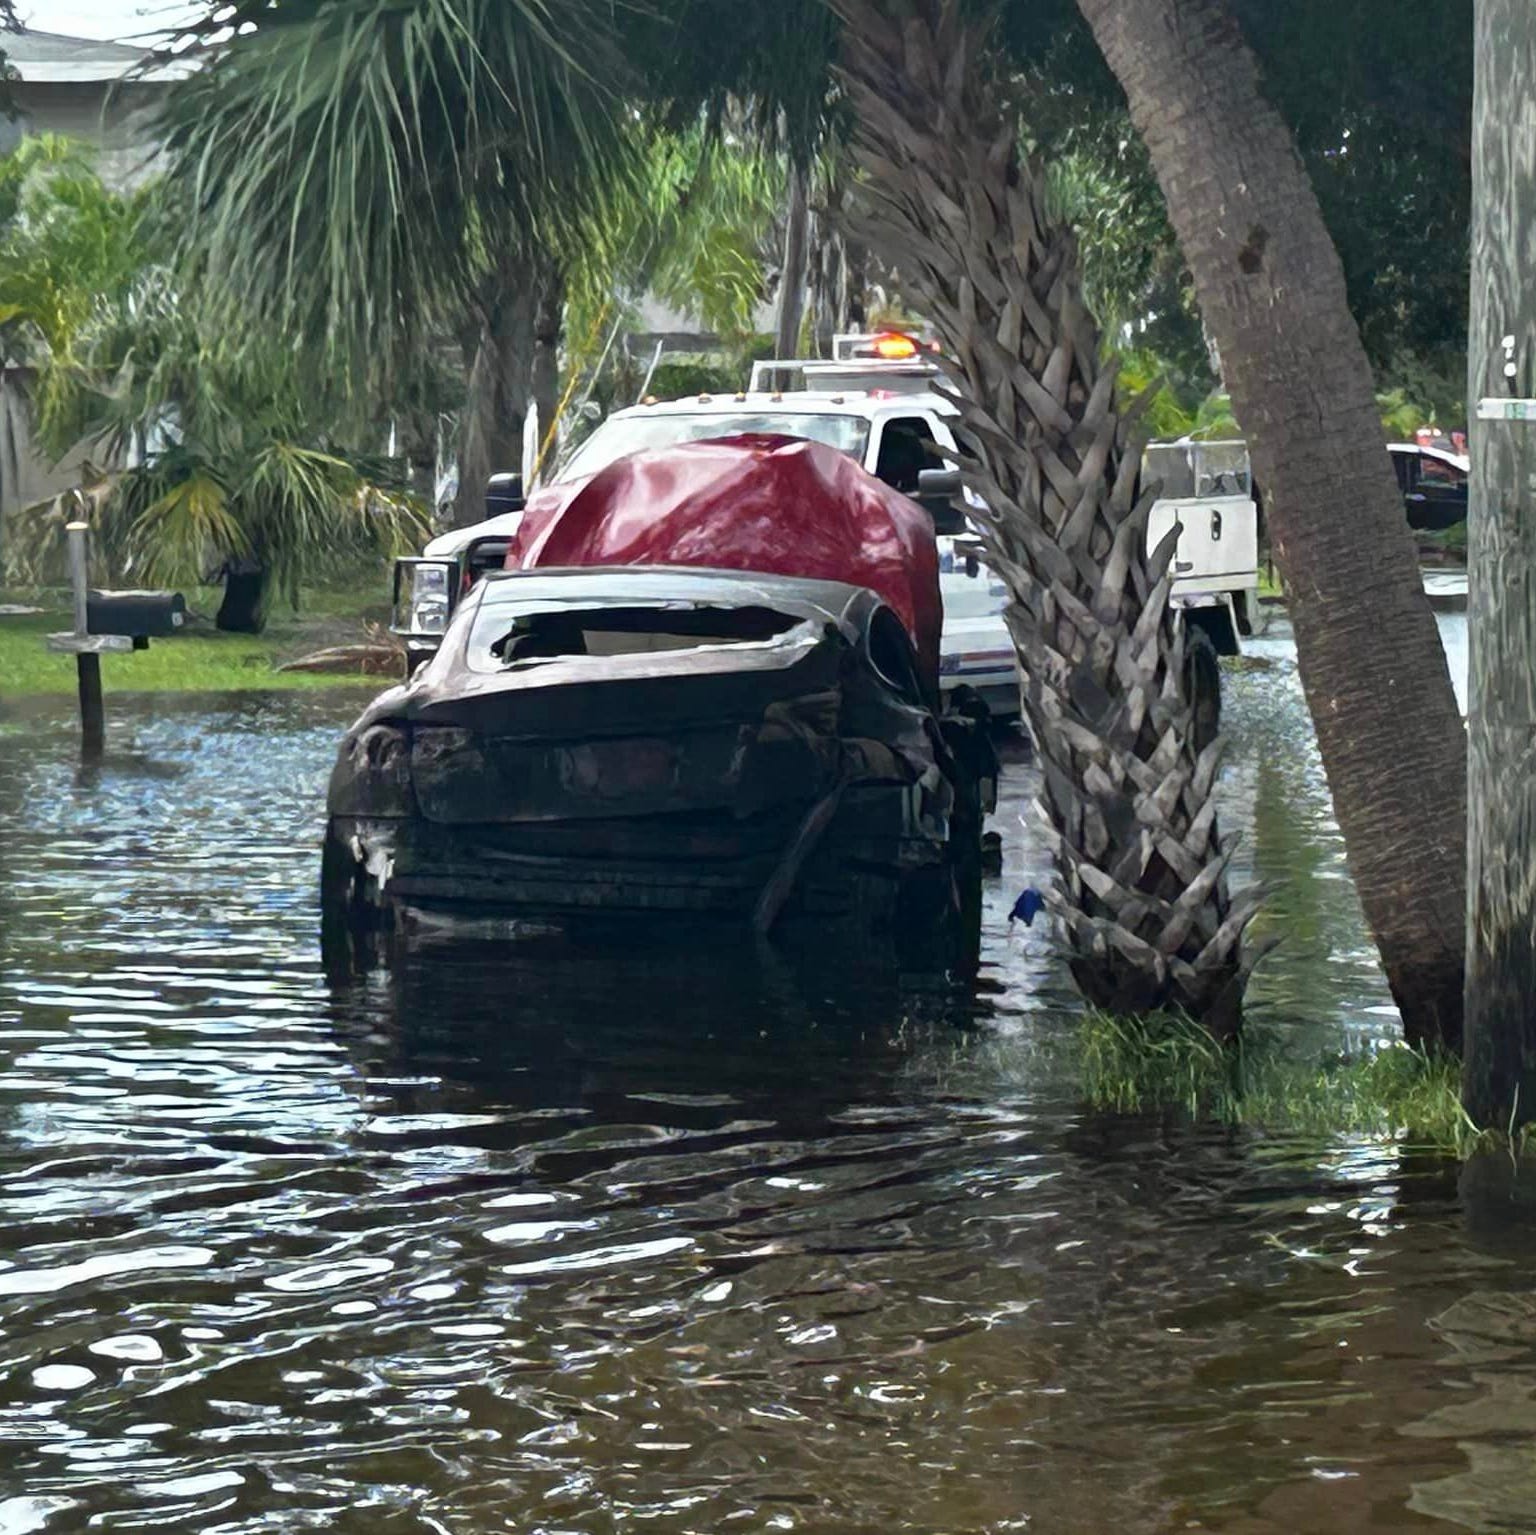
pixel 86 648
pixel 106 621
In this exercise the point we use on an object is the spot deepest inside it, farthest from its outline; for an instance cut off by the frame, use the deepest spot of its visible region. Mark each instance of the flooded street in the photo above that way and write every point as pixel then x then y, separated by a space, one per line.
pixel 552 1238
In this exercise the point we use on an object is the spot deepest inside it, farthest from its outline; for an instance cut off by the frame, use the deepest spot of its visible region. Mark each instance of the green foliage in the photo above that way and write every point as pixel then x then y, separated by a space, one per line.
pixel 1382 115
pixel 1214 419
pixel 353 168
pixel 677 378
pixel 1169 411
pixel 1177 407
pixel 1381 111
pixel 1100 182
pixel 767 65
pixel 689 228
pixel 68 245
pixel 1435 384
pixel 211 438
pixel 1400 416
pixel 1170 1063
pixel 1451 540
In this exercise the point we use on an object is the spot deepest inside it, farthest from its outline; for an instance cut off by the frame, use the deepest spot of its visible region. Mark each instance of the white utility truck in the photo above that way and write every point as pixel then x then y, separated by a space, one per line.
pixel 874 400
pixel 1206 490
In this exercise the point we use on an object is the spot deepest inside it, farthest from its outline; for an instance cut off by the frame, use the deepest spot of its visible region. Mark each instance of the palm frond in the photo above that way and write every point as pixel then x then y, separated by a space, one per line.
pixel 337 157
pixel 185 529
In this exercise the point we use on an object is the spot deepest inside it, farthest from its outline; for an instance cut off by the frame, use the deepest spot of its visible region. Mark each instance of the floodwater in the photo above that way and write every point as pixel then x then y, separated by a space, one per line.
pixel 537 1239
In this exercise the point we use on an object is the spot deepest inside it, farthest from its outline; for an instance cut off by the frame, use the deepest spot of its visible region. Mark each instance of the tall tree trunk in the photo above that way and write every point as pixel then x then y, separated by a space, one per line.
pixel 1141 890
pixel 797 219
pixel 548 328
pixel 247 590
pixel 829 284
pixel 500 381
pixel 829 267
pixel 1271 288
pixel 856 275
pixel 1500 1062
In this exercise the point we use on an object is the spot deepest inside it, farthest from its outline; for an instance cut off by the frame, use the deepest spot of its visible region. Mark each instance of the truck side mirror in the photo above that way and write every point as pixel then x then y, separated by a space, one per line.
pixel 504 493
pixel 937 492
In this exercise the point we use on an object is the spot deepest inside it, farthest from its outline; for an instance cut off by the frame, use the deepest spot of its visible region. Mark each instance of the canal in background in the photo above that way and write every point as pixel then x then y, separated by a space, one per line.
pixel 546 1239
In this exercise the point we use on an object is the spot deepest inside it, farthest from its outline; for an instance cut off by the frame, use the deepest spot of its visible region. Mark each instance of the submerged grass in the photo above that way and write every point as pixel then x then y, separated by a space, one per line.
pixel 1169 1062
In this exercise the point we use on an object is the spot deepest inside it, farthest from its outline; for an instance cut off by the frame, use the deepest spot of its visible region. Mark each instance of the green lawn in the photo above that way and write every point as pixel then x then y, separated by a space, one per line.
pixel 200 659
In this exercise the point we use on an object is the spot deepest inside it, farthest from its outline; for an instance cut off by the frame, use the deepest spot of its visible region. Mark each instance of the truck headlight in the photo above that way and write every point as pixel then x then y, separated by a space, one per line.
pixel 429 599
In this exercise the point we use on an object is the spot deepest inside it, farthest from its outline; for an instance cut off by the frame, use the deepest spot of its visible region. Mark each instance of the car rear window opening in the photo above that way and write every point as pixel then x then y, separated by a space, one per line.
pixel 619 631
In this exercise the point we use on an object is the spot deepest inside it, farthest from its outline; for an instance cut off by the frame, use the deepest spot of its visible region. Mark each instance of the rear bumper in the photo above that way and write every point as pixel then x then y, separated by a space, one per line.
pixel 704 864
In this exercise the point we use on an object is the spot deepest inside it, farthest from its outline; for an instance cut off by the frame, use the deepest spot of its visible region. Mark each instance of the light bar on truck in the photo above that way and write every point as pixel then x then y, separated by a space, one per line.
pixel 886 346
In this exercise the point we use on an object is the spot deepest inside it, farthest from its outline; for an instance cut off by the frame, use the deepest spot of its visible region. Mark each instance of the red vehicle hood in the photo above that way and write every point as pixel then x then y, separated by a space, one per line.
pixel 778 505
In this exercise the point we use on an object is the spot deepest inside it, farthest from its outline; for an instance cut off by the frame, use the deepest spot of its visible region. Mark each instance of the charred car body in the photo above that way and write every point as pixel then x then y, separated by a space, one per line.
pixel 636 720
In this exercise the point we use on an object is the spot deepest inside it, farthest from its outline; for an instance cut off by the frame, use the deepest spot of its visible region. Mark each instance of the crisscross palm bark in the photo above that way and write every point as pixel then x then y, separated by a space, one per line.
pixel 1142 891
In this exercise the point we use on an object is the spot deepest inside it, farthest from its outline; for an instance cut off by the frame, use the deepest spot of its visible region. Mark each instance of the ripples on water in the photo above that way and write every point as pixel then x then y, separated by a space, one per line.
pixel 546 1238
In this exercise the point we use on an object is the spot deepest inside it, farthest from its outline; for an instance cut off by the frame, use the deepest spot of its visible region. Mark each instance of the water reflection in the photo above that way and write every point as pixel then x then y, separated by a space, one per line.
pixel 556 1237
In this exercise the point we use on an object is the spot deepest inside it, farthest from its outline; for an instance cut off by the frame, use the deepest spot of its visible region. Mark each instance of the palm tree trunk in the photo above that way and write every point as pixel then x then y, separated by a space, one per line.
pixel 247 588
pixel 1271 288
pixel 500 384
pixel 829 285
pixel 1499 1082
pixel 797 220
pixel 548 328
pixel 1141 868
pixel 829 266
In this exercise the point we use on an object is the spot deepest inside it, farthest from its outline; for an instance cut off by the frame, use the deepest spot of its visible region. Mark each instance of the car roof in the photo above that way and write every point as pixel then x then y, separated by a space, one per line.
pixel 869 404
pixel 1446 455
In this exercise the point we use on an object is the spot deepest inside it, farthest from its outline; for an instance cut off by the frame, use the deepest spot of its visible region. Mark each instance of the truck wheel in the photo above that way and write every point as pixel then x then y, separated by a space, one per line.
pixel 1202 680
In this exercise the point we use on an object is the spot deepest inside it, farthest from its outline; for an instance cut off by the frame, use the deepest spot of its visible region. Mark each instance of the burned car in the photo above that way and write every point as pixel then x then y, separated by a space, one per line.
pixel 707 682
pixel 658 739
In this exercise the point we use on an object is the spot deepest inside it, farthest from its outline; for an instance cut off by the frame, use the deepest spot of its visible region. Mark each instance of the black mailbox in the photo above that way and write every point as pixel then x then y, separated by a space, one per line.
pixel 140 615
pixel 504 493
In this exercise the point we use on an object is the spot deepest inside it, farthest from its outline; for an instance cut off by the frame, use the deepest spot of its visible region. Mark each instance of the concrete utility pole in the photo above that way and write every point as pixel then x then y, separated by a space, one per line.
pixel 1499 1073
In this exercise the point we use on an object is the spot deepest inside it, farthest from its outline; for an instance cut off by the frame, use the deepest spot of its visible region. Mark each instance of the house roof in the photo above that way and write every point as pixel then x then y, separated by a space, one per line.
pixel 51 58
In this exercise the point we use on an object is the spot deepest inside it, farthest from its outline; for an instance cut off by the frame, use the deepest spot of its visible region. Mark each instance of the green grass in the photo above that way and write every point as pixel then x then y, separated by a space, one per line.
pixel 199 660
pixel 1451 541
pixel 1170 1063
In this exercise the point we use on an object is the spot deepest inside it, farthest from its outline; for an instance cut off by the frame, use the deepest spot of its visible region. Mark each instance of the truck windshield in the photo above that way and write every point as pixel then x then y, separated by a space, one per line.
pixel 616 438
pixel 1196 470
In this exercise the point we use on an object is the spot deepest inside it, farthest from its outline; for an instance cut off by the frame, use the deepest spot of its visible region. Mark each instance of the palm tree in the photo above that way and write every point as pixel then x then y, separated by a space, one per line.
pixel 66 241
pixel 1271 288
pixel 207 454
pixel 371 178
pixel 1127 787
pixel 384 180
pixel 690 228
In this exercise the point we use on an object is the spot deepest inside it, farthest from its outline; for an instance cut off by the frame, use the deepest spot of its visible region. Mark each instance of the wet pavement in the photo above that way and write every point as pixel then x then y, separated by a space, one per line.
pixel 680 1236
